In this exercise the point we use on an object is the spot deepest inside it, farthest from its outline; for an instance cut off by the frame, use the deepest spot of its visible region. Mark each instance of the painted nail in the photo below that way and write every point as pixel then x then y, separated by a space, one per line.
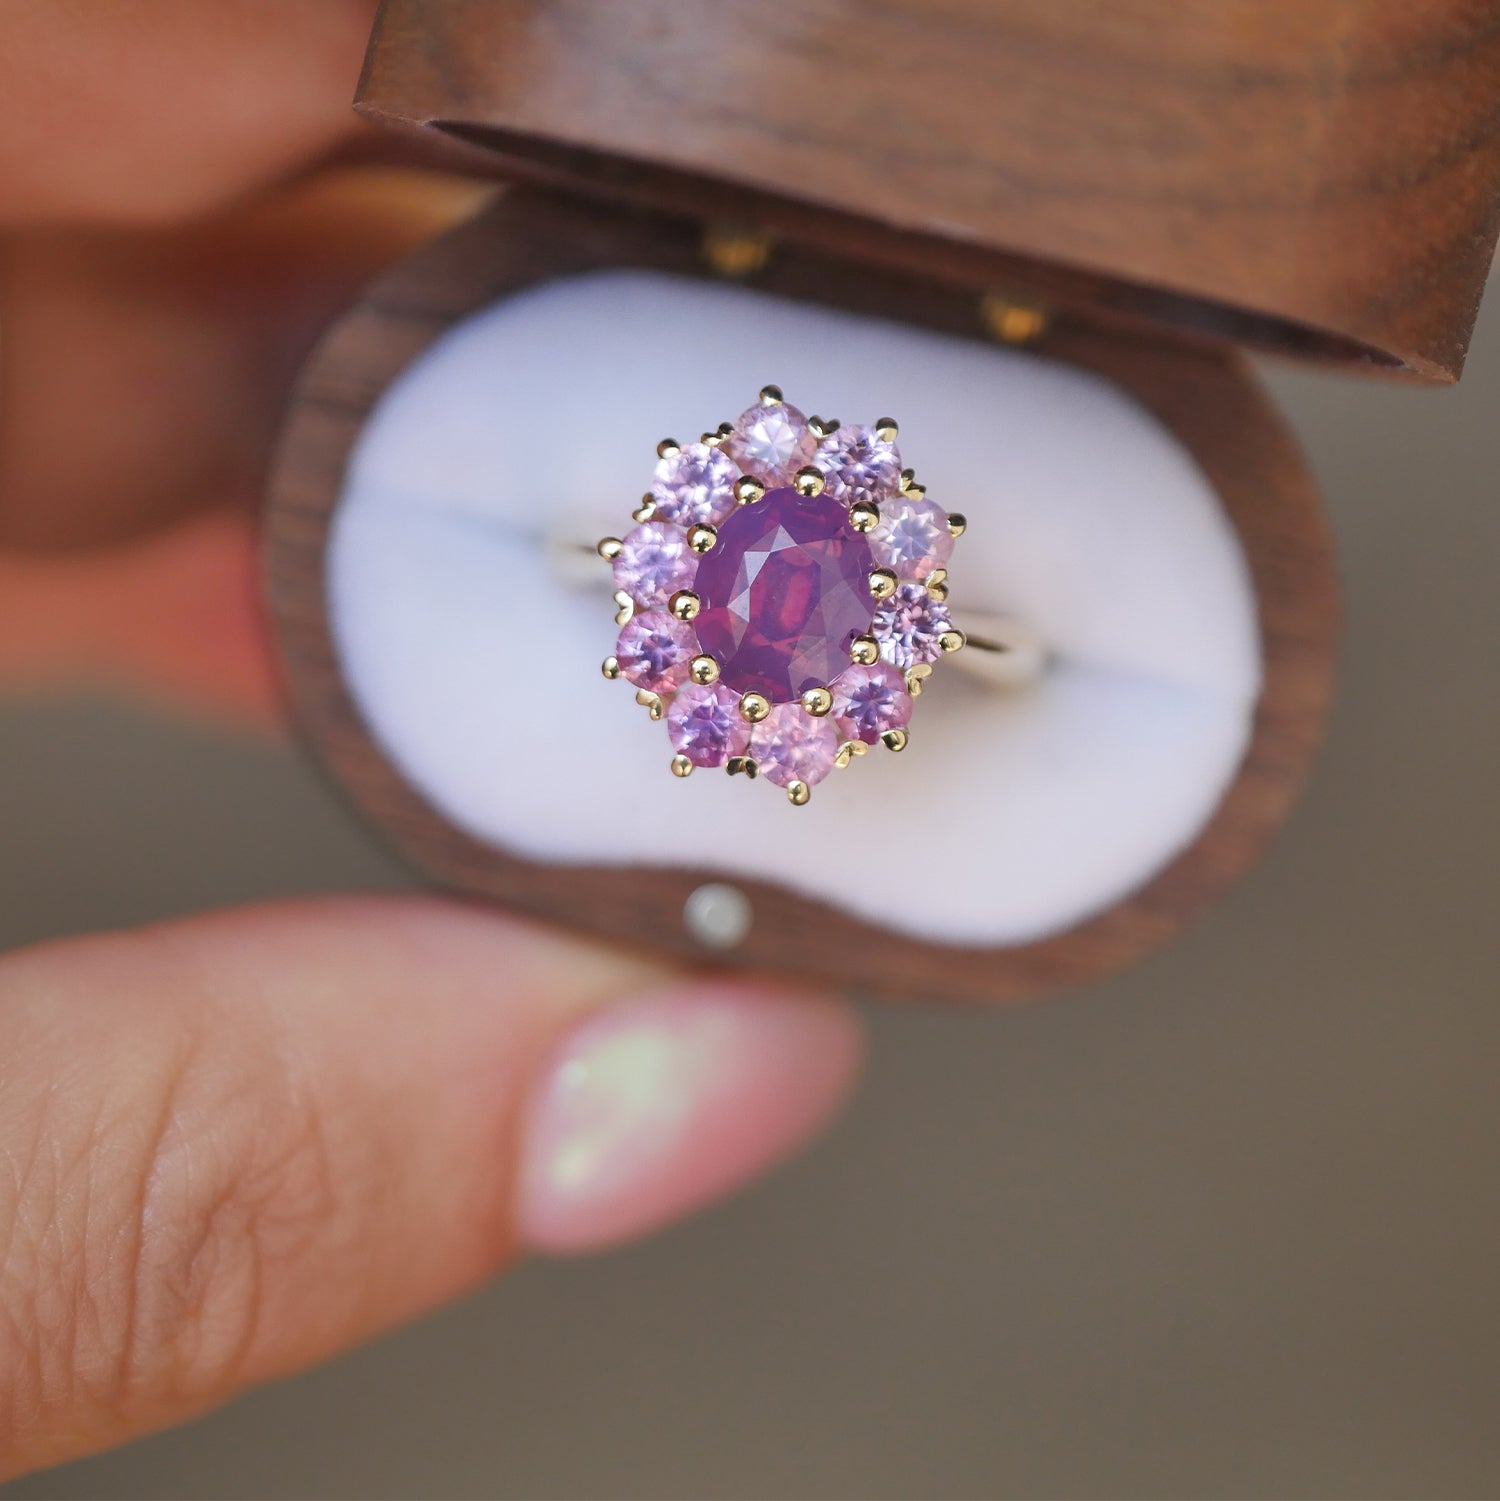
pixel 656 1107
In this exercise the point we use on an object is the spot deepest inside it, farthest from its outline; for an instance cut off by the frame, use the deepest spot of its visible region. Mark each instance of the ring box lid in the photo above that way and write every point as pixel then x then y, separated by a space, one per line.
pixel 1320 180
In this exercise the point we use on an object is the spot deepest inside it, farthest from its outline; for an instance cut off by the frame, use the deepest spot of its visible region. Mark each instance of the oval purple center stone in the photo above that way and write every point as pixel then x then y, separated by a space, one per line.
pixel 784 589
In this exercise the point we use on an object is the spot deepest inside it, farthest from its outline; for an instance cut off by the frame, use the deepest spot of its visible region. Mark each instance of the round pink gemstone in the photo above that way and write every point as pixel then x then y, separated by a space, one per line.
pixel 695 484
pixel 908 626
pixel 858 464
pixel 911 538
pixel 868 701
pixel 771 442
pixel 783 591
pixel 791 745
pixel 705 724
pixel 654 562
pixel 655 650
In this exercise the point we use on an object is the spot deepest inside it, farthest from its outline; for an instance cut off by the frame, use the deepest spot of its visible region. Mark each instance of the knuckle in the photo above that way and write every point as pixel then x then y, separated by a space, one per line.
pixel 138 1229
pixel 236 1187
pixel 40 1317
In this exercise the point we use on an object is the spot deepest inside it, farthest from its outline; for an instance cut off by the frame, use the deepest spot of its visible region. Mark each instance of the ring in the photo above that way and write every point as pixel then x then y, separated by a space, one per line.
pixel 783 595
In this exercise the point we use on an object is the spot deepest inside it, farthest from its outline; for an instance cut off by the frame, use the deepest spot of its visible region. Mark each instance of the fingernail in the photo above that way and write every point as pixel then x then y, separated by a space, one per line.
pixel 656 1107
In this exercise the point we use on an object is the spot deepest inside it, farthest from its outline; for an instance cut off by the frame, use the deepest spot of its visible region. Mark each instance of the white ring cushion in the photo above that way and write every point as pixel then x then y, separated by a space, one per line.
pixel 1010 816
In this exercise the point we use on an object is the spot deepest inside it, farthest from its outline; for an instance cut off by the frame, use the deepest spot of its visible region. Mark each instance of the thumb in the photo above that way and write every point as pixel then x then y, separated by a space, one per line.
pixel 231 1146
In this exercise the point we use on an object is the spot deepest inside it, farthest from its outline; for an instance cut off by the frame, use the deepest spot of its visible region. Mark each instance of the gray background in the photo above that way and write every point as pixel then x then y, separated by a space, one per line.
pixel 1224 1226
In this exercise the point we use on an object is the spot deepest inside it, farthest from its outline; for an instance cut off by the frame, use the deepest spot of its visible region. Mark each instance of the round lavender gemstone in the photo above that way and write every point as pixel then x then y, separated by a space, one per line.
pixel 868 701
pixel 911 538
pixel 858 464
pixel 655 651
pixel 908 625
pixel 695 485
pixel 771 443
pixel 705 725
pixel 791 745
pixel 654 562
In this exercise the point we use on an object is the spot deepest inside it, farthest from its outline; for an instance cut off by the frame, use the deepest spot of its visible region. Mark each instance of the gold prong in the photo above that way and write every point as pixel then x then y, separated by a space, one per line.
pixel 667 448
pixel 684 604
pixel 797 793
pixel 770 396
pixel 916 678
pixel 937 576
pixel 702 537
pixel 703 670
pixel 745 766
pixel 650 702
pixel 681 766
pixel 754 707
pixel 610 667
pixel 718 435
pixel 808 482
pixel 914 489
pixel 882 583
pixel 609 548
pixel 908 478
pixel 823 427
pixel 936 588
pixel 886 430
pixel 951 641
pixel 748 489
pixel 864 515
pixel 864 650
pixel 894 740
pixel 817 701
pixel 625 607
pixel 647 508
pixel 957 523
pixel 848 751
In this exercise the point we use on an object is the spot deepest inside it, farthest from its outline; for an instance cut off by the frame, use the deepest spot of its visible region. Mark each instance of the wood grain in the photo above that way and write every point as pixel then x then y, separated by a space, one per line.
pixel 1205 395
pixel 1317 176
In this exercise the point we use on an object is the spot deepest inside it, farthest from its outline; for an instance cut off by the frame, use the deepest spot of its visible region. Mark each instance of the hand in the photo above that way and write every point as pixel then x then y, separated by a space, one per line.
pixel 233 1145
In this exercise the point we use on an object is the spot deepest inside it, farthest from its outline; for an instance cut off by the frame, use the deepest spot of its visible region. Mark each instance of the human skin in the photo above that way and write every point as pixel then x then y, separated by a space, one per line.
pixel 225 1140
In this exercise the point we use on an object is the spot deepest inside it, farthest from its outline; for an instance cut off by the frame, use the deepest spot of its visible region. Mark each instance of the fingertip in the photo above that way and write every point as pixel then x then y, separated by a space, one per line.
pixel 659 1106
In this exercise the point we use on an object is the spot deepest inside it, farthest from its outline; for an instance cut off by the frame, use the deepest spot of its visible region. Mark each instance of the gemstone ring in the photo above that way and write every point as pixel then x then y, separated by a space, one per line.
pixel 783 595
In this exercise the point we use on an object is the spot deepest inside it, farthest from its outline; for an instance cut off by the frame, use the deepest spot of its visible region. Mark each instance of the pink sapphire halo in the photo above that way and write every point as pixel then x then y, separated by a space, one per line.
pixel 783 595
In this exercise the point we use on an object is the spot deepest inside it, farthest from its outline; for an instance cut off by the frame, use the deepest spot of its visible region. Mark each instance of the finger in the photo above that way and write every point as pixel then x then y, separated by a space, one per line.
pixel 145 373
pixel 176 616
pixel 232 1146
pixel 149 111
pixel 138 389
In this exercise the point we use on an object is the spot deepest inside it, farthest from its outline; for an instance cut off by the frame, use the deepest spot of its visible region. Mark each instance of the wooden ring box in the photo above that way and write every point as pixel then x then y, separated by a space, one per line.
pixel 1135 193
